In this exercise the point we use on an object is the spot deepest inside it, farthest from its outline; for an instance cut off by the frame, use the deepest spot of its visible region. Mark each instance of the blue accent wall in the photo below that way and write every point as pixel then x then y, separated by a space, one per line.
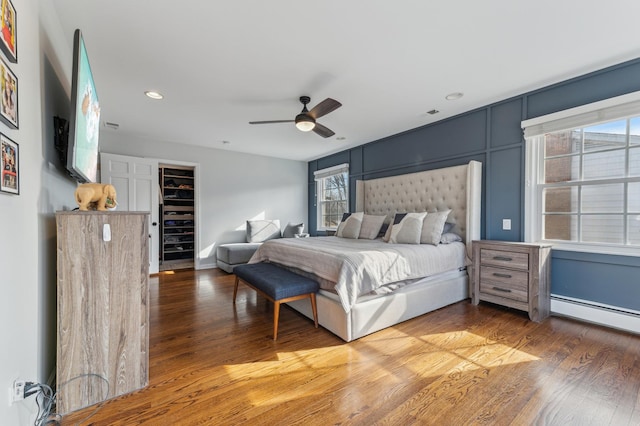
pixel 492 135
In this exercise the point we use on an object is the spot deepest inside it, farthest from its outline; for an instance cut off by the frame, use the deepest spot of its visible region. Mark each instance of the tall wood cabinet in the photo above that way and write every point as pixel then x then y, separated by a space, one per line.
pixel 103 315
pixel 177 230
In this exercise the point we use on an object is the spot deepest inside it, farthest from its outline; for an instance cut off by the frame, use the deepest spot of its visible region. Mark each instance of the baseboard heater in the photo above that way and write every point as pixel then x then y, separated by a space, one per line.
pixel 610 316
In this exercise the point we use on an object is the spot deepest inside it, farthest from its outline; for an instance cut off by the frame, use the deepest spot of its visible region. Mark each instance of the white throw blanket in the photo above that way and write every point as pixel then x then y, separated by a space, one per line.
pixel 358 267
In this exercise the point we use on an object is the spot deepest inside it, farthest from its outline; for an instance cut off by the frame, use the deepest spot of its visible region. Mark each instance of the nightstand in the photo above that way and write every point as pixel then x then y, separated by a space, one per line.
pixel 516 275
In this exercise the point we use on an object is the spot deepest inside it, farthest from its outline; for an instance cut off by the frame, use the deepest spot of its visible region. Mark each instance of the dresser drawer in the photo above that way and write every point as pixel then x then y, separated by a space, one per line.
pixel 504 283
pixel 508 259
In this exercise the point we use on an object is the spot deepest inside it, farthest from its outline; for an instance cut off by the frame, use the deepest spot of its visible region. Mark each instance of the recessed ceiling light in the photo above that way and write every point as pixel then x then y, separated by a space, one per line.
pixel 454 96
pixel 154 95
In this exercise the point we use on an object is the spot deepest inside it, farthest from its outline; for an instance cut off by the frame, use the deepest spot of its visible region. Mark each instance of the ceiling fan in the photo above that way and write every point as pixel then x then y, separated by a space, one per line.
pixel 306 120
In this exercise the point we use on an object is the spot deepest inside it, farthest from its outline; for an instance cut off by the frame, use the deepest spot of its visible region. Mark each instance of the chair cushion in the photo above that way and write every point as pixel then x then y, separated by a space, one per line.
pixel 274 281
pixel 234 253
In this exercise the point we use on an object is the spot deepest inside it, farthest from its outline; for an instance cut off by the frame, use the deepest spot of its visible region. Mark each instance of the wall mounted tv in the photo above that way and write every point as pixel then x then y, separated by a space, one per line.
pixel 84 124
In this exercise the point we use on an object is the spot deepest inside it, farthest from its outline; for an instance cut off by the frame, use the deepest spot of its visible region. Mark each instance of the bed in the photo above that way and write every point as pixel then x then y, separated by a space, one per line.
pixel 368 285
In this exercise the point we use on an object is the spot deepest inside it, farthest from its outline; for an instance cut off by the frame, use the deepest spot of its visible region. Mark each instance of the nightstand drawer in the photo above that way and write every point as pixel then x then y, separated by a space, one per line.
pixel 508 259
pixel 504 283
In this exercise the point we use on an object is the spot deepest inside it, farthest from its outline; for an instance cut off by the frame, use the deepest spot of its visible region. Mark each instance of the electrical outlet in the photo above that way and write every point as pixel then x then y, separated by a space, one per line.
pixel 17 391
pixel 506 224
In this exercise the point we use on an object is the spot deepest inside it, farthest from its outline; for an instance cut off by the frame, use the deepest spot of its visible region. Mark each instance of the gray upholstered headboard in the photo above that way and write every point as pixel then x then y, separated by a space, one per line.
pixel 458 188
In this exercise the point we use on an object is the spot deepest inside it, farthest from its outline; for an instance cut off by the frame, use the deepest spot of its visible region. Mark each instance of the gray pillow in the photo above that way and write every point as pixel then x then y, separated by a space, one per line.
pixel 449 237
pixel 433 226
pixel 371 226
pixel 350 226
pixel 262 230
pixel 408 230
pixel 292 229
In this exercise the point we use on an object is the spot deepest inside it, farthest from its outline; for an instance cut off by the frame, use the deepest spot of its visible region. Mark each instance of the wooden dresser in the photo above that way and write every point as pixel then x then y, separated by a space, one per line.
pixel 103 314
pixel 516 275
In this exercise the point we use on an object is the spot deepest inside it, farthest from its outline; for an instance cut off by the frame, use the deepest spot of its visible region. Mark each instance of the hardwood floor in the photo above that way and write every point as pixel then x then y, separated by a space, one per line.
pixel 211 364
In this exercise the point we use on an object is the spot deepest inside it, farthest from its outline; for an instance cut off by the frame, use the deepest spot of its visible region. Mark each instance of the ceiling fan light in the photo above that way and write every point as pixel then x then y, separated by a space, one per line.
pixel 305 123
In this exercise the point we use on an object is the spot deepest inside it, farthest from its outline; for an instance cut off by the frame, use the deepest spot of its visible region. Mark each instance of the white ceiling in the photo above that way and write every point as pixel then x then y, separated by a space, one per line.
pixel 221 64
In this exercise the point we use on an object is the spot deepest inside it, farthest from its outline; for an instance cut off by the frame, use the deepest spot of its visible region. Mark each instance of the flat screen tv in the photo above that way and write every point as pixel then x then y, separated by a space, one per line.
pixel 84 124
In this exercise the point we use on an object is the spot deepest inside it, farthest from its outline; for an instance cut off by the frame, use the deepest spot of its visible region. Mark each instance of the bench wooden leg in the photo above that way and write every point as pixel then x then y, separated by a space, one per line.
pixel 314 309
pixel 235 290
pixel 276 316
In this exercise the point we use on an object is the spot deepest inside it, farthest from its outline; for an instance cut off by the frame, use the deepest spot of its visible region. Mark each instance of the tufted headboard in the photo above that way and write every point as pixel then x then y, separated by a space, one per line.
pixel 458 188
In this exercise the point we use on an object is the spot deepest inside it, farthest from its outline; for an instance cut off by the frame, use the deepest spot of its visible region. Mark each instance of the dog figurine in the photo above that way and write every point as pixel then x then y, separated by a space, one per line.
pixel 102 194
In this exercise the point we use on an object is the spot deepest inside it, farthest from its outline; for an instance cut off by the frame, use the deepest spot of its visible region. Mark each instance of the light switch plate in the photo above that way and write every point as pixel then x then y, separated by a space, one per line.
pixel 106 232
pixel 506 224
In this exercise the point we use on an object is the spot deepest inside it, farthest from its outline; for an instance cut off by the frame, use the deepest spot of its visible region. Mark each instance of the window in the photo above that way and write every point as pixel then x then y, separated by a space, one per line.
pixel 583 174
pixel 332 195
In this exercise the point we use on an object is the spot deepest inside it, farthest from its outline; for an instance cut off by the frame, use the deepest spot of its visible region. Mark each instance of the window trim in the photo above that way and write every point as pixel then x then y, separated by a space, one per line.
pixel 319 176
pixel 534 129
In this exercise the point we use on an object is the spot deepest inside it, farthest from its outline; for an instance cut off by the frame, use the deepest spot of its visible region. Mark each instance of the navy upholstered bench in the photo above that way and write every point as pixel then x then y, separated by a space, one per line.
pixel 278 285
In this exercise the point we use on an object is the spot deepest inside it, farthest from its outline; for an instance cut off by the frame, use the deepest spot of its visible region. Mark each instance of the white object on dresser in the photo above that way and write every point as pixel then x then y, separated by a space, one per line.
pixel 511 274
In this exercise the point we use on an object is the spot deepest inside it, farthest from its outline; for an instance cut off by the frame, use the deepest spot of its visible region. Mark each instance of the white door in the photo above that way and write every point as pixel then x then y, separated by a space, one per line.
pixel 136 183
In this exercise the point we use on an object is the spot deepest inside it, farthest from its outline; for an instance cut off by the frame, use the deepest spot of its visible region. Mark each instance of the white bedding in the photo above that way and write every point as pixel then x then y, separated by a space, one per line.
pixel 359 266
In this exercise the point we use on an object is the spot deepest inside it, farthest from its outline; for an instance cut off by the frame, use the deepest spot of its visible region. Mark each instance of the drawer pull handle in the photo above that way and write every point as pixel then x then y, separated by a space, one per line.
pixel 504 290
pixel 495 274
pixel 503 258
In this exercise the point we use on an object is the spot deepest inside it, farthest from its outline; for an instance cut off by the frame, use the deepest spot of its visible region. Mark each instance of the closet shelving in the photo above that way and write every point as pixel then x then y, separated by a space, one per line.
pixel 177 249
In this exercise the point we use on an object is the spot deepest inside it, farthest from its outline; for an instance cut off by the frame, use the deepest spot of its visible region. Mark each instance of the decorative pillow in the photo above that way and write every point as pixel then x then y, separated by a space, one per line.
pixel 262 230
pixel 433 227
pixel 383 231
pixel 408 229
pixel 396 219
pixel 350 225
pixel 371 226
pixel 292 229
pixel 449 237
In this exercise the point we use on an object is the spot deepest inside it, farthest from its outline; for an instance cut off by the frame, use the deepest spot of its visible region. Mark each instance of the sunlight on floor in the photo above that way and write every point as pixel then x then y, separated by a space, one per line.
pixel 443 355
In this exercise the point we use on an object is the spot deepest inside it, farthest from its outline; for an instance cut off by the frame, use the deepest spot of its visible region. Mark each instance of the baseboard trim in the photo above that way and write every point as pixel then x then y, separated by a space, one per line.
pixel 608 316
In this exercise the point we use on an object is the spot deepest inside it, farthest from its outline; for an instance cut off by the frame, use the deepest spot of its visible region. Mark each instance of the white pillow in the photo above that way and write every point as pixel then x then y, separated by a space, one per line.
pixel 432 227
pixel 262 230
pixel 371 225
pixel 350 226
pixel 408 230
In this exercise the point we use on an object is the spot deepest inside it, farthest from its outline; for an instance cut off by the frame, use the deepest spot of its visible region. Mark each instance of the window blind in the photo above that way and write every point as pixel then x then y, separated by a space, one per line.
pixel 586 115
pixel 329 171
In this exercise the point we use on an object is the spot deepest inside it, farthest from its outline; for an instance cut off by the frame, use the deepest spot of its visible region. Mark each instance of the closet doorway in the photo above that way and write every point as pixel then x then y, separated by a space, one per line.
pixel 140 187
pixel 178 219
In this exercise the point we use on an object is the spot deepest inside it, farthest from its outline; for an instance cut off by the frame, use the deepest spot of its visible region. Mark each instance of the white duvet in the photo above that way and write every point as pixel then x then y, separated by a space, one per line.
pixel 358 267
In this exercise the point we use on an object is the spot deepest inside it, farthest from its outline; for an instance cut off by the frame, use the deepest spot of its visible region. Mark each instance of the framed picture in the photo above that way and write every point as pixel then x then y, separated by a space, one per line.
pixel 8 95
pixel 8 30
pixel 10 172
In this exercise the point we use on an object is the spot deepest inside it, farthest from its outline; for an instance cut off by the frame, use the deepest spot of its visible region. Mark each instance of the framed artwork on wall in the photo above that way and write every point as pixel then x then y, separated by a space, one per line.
pixel 8 30
pixel 10 173
pixel 8 96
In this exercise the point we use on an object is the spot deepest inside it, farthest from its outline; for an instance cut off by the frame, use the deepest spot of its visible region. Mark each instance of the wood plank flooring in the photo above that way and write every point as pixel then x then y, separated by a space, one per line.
pixel 213 364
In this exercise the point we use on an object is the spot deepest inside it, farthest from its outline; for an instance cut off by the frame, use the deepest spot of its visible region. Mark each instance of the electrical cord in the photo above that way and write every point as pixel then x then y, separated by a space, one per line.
pixel 46 399
pixel 99 406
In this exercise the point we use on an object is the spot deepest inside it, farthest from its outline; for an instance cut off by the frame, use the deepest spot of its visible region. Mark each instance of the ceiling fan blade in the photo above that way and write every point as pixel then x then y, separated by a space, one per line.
pixel 323 131
pixel 324 108
pixel 271 121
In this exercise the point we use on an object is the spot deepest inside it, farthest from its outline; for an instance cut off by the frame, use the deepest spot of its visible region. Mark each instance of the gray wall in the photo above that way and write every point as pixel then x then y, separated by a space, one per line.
pixel 492 135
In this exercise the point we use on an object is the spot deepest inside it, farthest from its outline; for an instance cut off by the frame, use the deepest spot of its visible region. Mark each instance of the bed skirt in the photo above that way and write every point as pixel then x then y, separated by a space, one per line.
pixel 373 314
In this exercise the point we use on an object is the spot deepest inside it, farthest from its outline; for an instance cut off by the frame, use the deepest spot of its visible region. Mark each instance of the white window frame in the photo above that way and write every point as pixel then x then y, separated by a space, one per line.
pixel 607 110
pixel 319 177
